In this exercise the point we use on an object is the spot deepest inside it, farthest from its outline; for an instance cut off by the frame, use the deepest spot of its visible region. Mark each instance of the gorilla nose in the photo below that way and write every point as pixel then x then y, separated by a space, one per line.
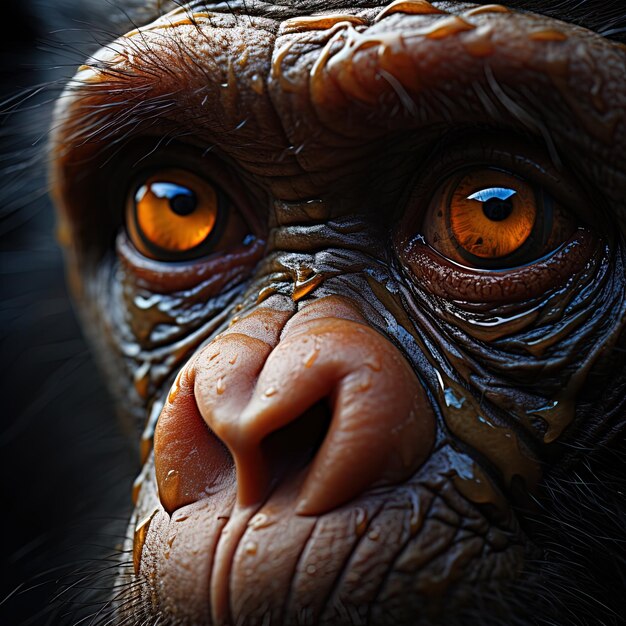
pixel 266 373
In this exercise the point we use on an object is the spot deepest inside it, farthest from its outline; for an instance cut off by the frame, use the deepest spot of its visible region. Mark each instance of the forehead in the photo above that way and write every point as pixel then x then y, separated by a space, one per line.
pixel 604 16
pixel 310 103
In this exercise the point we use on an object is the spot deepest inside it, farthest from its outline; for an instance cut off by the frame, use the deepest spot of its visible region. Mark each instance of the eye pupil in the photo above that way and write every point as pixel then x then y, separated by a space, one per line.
pixel 182 201
pixel 497 210
pixel 497 202
pixel 184 204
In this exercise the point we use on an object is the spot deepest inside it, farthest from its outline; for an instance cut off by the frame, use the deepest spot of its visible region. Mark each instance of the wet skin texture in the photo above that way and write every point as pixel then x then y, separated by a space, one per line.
pixel 345 423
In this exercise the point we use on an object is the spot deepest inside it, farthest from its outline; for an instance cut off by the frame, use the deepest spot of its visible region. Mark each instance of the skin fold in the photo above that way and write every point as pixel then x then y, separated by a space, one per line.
pixel 338 424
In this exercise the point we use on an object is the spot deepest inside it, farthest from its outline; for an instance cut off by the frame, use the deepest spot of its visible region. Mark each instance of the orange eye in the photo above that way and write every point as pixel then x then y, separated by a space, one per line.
pixel 173 214
pixel 488 218
pixel 492 221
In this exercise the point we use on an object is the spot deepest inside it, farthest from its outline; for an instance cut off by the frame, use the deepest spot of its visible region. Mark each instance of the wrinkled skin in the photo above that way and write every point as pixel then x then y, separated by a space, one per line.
pixel 342 426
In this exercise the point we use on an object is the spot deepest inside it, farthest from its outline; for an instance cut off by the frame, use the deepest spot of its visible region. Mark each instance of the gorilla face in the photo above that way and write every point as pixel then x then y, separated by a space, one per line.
pixel 359 267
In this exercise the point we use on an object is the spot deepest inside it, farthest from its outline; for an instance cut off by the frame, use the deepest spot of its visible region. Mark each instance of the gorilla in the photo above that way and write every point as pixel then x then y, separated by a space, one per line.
pixel 354 271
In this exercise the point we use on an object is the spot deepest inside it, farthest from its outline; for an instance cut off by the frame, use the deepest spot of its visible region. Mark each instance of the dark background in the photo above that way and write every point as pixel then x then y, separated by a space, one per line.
pixel 65 471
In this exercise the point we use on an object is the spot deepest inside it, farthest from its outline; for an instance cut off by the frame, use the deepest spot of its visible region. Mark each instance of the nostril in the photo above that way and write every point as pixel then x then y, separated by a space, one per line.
pixel 294 446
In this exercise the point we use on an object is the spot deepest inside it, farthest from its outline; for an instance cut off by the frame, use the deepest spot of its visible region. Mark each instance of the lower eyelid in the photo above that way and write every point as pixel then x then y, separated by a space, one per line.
pixel 166 277
pixel 446 279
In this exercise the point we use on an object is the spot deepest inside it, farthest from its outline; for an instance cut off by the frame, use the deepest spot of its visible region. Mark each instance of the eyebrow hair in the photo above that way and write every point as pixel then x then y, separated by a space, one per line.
pixel 606 17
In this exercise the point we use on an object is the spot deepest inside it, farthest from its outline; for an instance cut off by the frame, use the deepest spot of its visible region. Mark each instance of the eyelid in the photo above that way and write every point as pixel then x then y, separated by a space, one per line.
pixel 491 282
pixel 512 154
pixel 446 279
pixel 165 277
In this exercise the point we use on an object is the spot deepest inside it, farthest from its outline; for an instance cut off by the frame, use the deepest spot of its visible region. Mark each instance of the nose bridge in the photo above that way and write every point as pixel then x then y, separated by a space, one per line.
pixel 270 368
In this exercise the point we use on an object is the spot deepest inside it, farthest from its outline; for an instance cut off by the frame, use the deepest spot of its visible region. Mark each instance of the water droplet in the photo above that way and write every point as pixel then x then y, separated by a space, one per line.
pixel 373 535
pixel 261 520
pixel 311 569
pixel 449 26
pixel 171 396
pixel 265 293
pixel 233 359
pixel 131 350
pixel 303 289
pixel 360 523
pixel 320 22
pixel 558 414
pixel 137 485
pixel 251 548
pixel 145 303
pixel 451 399
pixel 481 419
pixel 139 539
pixel 548 35
pixel 270 391
pixel 257 83
pixel 312 356
pixel 141 380
pixel 170 488
pixel 365 383
pixel 487 8
pixel 409 7
pixel 221 386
